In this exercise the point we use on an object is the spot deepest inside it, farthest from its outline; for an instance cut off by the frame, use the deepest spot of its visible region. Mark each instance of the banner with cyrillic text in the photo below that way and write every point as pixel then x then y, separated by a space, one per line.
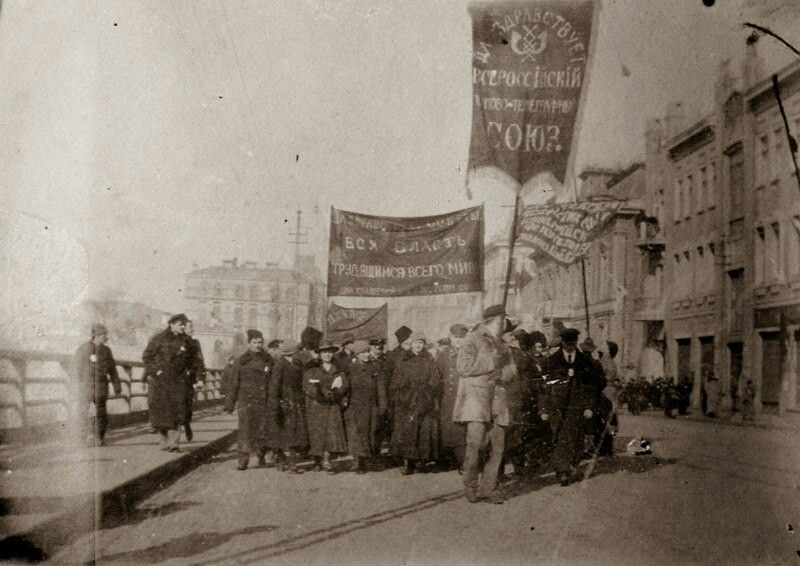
pixel 382 256
pixel 528 72
pixel 564 231
pixel 360 323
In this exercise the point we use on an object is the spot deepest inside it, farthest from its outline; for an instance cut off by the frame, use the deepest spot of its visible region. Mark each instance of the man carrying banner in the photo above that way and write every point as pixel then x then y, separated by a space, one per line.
pixel 482 362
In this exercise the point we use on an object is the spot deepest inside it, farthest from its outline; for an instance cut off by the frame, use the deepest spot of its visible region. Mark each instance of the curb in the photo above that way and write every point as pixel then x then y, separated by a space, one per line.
pixel 84 514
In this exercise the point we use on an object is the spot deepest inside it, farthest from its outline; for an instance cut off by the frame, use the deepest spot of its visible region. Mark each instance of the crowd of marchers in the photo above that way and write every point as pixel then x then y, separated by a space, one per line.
pixel 488 398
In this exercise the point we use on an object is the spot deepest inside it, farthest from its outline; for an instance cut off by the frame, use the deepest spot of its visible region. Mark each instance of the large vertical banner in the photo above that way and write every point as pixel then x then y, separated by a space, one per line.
pixel 528 75
pixel 383 256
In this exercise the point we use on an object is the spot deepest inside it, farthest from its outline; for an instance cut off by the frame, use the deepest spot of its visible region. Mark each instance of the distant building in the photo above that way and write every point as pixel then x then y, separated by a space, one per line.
pixel 224 301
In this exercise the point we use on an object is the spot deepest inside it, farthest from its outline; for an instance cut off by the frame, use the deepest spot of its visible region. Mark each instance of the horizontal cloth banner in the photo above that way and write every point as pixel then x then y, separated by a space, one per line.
pixel 564 231
pixel 382 256
pixel 360 323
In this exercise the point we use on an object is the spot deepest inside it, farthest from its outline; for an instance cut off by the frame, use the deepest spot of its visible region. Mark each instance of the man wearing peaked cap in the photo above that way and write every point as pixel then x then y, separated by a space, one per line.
pixel 483 362
pixel 344 357
pixel 452 433
pixel 94 368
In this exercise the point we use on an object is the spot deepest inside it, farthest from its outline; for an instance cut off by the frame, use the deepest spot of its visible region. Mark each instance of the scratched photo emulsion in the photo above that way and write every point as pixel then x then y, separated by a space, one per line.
pixel 451 282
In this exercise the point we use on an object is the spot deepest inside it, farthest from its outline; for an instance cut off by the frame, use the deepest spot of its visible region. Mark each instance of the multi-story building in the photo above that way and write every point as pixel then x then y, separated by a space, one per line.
pixel 226 300
pixel 726 198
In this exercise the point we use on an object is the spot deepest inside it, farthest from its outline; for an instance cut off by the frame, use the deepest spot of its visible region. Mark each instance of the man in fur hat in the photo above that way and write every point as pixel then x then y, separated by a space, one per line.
pixel 94 368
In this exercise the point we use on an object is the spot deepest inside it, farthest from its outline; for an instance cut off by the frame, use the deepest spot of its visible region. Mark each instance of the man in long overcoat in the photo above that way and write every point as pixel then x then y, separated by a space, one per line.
pixel 572 380
pixel 286 408
pixel 249 392
pixel 482 362
pixel 94 368
pixel 453 434
pixel 167 358
pixel 391 360
pixel 416 391
pixel 195 374
pixel 325 388
pixel 366 404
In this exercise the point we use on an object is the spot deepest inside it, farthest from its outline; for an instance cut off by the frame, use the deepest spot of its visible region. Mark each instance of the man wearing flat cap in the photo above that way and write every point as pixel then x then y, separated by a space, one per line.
pixel 453 434
pixel 344 357
pixel 288 435
pixel 167 358
pixel 194 376
pixel 94 368
pixel 571 381
pixel 483 362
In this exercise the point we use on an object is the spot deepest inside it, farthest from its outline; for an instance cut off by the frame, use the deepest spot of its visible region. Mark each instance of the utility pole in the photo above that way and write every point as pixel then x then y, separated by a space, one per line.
pixel 299 236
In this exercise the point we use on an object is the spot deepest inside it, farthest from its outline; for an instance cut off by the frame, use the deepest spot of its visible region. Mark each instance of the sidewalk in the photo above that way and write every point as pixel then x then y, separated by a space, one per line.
pixel 54 492
pixel 788 421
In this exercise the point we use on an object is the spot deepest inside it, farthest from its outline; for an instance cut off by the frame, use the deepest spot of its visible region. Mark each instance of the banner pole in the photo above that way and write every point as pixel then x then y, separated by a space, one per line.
pixel 512 239
pixel 585 297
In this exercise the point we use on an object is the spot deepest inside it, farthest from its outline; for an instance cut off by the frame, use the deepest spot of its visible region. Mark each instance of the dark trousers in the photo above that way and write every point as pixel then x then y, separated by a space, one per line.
pixel 98 424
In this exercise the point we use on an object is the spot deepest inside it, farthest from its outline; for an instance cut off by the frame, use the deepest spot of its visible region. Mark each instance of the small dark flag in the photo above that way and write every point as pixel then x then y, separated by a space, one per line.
pixel 626 72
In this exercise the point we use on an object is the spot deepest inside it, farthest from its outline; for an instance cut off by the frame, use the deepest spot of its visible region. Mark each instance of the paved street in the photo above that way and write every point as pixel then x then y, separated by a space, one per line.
pixel 712 493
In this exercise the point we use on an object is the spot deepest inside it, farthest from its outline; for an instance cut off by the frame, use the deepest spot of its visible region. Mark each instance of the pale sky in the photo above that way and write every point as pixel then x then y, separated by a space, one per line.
pixel 166 134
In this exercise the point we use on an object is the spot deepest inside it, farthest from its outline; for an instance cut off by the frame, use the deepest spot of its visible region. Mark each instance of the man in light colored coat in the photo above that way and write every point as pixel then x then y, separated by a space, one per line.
pixel 483 362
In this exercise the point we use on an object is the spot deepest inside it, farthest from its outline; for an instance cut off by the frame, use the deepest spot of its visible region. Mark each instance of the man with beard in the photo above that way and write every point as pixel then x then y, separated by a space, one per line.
pixel 94 368
pixel 453 434
pixel 249 393
pixel 167 358
pixel 482 362
pixel 572 381
pixel 195 374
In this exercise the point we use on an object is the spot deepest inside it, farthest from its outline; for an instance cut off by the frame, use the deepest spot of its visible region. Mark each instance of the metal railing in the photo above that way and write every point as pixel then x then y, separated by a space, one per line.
pixel 37 389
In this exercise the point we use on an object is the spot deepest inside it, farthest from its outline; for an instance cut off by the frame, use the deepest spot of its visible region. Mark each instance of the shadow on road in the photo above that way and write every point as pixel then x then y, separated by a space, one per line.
pixel 635 464
pixel 140 514
pixel 182 547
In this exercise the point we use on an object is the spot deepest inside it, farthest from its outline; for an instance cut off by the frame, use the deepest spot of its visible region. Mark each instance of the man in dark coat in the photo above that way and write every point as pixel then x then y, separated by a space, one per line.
pixel 417 386
pixel 286 408
pixel 390 362
pixel 344 357
pixel 366 404
pixel 308 354
pixel 195 374
pixel 167 358
pixel 572 379
pixel 325 388
pixel 249 392
pixel 94 368
pixel 453 434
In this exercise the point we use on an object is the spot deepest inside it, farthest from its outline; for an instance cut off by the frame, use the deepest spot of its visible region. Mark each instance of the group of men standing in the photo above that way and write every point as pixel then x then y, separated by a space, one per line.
pixel 493 393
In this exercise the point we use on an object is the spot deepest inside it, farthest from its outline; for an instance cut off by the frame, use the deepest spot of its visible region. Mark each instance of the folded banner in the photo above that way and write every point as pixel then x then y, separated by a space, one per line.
pixel 362 324
pixel 564 231
pixel 528 72
pixel 381 256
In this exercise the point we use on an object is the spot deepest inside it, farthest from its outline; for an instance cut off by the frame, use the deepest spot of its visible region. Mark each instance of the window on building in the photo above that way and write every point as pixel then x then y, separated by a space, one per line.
pixel 252 317
pixel 736 174
pixel 216 314
pixel 237 316
pixel 255 292
pixel 677 275
pixel 776 259
pixel 701 274
pixel 690 282
pixel 678 201
pixel 711 194
pixel 762 160
pixel 217 290
pixel 759 250
pixel 779 155
pixel 274 293
pixel 239 291
pixel 702 189
pixel 687 210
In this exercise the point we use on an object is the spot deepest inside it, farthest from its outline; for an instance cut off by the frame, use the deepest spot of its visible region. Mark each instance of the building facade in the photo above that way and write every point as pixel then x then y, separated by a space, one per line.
pixel 726 198
pixel 224 301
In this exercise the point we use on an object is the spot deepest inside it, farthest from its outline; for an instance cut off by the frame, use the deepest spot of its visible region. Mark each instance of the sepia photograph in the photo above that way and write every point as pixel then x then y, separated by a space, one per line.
pixel 419 282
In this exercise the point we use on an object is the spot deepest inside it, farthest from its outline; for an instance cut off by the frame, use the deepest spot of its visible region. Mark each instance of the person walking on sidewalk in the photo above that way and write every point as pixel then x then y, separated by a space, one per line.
pixel 194 375
pixel 167 358
pixel 482 362
pixel 94 368
pixel 249 393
